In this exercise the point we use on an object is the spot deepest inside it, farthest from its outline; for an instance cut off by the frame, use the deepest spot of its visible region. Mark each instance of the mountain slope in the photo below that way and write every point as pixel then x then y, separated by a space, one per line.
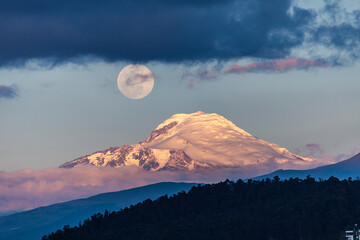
pixel 35 223
pixel 198 141
pixel 343 170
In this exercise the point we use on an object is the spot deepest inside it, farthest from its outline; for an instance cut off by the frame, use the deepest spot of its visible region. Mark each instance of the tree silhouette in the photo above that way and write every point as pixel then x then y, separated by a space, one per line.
pixel 261 210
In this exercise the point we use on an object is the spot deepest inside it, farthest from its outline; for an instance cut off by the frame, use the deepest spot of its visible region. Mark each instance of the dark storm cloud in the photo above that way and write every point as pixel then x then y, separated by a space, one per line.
pixel 340 31
pixel 344 36
pixel 8 91
pixel 140 30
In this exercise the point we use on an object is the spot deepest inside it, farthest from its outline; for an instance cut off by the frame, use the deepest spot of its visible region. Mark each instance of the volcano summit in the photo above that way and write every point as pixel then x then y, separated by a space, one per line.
pixel 196 142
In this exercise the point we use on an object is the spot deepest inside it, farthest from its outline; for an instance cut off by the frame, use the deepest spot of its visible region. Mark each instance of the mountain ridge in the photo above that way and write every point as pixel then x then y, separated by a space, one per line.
pixel 35 223
pixel 197 142
pixel 343 170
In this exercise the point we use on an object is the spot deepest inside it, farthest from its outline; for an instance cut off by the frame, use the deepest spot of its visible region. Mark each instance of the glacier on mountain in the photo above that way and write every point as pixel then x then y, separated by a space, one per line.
pixel 196 142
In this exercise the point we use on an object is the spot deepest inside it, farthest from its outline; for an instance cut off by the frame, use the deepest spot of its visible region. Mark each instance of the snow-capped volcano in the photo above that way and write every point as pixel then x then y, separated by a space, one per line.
pixel 196 141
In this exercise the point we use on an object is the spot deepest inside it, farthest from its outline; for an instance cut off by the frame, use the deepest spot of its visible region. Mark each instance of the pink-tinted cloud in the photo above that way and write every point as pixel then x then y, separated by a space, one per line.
pixel 207 74
pixel 282 65
pixel 344 156
pixel 199 75
pixel 28 189
pixel 190 83
pixel 314 149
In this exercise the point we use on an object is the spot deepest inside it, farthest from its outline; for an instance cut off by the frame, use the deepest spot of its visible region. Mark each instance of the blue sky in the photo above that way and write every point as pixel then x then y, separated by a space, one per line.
pixel 58 94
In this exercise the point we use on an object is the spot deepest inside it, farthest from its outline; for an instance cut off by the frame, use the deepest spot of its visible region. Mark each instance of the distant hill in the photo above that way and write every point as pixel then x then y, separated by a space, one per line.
pixel 256 210
pixel 31 225
pixel 342 170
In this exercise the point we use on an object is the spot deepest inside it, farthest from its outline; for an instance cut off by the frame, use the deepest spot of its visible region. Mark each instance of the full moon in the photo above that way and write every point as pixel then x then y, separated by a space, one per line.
pixel 135 81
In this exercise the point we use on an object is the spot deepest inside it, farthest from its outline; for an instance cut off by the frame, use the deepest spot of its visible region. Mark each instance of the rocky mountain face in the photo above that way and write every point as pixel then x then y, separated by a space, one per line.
pixel 140 155
pixel 198 141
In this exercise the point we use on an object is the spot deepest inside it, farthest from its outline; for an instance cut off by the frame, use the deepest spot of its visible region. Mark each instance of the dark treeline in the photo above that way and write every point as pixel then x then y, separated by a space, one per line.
pixel 253 210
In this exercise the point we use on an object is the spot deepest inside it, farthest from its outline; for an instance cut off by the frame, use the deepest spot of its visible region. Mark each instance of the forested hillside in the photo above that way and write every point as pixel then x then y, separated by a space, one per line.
pixel 253 210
